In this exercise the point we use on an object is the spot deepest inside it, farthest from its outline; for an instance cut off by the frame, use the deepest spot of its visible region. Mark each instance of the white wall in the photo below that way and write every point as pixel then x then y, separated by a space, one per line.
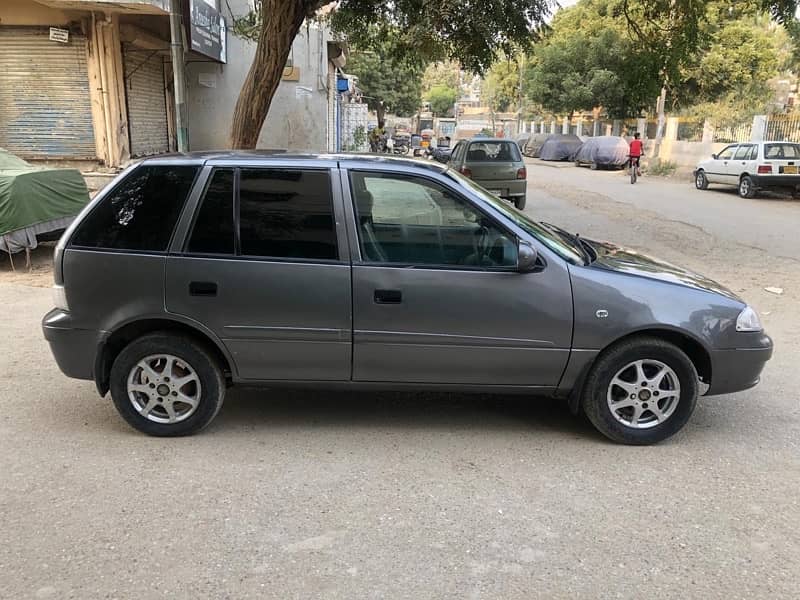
pixel 297 120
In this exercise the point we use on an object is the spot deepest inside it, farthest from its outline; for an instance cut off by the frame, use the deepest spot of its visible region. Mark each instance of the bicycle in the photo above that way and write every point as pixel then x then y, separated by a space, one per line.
pixel 633 162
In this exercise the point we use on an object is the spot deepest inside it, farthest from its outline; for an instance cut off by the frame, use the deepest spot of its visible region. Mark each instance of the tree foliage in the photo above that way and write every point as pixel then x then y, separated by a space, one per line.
pixel 446 73
pixel 388 80
pixel 501 86
pixel 442 99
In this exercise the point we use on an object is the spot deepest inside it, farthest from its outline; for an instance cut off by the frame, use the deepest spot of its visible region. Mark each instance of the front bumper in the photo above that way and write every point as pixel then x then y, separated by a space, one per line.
pixel 74 349
pixel 739 369
pixel 776 181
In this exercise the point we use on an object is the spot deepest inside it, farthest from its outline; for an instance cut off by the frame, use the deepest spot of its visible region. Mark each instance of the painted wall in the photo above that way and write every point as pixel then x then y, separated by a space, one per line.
pixel 299 113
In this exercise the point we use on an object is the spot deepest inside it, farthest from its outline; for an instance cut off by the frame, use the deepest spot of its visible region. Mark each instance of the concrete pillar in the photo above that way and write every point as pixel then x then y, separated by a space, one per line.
pixel 565 126
pixel 641 127
pixel 553 125
pixel 708 132
pixel 759 129
pixel 595 128
pixel 579 127
pixel 616 127
pixel 609 129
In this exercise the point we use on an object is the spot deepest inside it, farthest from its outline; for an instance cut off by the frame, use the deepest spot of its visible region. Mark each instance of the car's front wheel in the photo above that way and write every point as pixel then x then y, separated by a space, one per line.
pixel 747 188
pixel 167 385
pixel 701 181
pixel 640 391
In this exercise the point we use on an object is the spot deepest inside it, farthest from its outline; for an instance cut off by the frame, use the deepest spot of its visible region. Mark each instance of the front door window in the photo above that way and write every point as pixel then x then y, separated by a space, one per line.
pixel 413 221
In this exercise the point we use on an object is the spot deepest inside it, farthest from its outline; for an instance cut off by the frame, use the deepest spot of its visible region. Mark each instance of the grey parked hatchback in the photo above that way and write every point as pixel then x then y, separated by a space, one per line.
pixel 193 273
pixel 494 163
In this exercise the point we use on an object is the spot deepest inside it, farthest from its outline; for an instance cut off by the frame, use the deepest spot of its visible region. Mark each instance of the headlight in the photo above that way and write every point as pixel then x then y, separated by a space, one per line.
pixel 60 297
pixel 748 320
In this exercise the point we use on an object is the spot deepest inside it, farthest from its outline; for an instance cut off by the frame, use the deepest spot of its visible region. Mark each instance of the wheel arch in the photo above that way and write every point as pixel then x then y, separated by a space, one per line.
pixel 121 336
pixel 690 345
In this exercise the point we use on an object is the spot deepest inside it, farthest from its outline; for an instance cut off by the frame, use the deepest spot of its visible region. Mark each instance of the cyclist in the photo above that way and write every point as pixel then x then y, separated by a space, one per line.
pixel 635 152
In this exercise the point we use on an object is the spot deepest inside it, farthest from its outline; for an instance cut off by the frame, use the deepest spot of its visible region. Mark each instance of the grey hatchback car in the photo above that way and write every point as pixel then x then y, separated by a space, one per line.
pixel 494 163
pixel 192 273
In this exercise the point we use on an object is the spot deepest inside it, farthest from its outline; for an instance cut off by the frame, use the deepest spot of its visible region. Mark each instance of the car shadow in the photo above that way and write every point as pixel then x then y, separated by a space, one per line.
pixel 761 195
pixel 302 409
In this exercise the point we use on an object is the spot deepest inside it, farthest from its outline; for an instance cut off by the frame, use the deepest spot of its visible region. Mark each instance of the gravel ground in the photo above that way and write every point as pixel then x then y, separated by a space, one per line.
pixel 340 495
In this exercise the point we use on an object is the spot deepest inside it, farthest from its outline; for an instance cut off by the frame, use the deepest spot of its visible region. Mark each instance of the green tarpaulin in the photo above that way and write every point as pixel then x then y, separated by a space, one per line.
pixel 32 195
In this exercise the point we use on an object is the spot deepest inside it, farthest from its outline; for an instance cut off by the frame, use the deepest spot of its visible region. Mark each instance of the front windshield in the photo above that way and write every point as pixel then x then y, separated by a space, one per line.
pixel 565 248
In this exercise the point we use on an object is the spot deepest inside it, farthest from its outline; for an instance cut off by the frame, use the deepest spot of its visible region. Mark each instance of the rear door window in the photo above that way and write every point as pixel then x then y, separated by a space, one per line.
pixel 493 152
pixel 287 213
pixel 140 213
pixel 743 153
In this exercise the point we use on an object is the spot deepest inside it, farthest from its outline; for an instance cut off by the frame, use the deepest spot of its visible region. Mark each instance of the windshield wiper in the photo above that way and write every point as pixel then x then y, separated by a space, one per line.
pixel 574 239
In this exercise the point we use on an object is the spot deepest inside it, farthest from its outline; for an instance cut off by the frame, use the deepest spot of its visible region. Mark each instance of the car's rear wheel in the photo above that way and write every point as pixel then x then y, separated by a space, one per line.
pixel 641 391
pixel 701 181
pixel 519 202
pixel 747 188
pixel 167 385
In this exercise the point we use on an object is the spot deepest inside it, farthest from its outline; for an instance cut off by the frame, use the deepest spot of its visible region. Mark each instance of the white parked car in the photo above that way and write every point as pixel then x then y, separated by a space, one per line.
pixel 752 166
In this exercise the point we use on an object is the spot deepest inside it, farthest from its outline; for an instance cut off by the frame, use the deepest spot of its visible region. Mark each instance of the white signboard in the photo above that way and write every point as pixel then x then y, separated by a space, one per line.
pixel 59 35
pixel 302 91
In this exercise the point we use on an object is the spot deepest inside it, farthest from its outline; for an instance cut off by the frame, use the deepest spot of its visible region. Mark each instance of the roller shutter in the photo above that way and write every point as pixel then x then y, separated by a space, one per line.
pixel 45 109
pixel 147 107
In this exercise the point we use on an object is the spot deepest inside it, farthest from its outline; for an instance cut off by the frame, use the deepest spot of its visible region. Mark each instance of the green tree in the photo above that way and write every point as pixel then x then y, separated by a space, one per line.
pixel 388 80
pixel 590 60
pixel 433 30
pixel 446 73
pixel 442 99
pixel 500 89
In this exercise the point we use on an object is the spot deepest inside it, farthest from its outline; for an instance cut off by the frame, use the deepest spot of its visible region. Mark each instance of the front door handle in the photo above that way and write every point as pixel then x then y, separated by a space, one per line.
pixel 203 288
pixel 388 296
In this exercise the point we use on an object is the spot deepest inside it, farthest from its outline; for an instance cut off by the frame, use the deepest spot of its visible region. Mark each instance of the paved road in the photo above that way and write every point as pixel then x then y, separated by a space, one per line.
pixel 769 222
pixel 322 495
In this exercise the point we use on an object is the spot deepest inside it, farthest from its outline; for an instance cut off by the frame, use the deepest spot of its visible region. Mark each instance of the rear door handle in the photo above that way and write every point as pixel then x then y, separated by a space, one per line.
pixel 202 288
pixel 388 296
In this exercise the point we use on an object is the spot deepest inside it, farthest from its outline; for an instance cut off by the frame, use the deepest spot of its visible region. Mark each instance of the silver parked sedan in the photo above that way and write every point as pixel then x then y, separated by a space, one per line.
pixel 494 163
pixel 193 273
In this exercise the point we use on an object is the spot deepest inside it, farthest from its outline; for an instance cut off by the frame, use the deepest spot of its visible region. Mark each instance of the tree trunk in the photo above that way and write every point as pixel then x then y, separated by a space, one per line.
pixel 280 22
pixel 380 112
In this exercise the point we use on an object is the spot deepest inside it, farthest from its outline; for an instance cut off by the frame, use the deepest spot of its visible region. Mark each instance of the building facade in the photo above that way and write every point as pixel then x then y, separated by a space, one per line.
pixel 92 80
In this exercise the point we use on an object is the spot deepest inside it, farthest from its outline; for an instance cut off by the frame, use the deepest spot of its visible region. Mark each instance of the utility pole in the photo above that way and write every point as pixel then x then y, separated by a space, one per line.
pixel 519 94
pixel 179 83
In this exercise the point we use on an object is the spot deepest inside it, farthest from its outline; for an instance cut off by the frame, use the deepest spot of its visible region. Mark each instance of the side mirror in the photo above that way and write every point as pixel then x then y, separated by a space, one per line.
pixel 714 156
pixel 526 257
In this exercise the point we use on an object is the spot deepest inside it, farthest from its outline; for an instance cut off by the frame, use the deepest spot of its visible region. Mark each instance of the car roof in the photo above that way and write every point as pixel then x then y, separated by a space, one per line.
pixel 253 157
pixel 490 139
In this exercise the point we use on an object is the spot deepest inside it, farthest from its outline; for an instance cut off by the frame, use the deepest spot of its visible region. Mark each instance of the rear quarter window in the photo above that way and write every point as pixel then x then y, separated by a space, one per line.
pixel 141 212
pixel 782 151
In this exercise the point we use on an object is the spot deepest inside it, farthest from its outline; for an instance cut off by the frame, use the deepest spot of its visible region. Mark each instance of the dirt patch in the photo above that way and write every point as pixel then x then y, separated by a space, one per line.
pixel 40 273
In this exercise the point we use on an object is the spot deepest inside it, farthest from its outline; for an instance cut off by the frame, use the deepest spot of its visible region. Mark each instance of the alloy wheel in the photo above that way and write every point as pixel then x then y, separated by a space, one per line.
pixel 164 388
pixel 644 394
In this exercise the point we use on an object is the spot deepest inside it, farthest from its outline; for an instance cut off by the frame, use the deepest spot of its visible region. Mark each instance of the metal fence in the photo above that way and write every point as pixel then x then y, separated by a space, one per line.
pixel 726 134
pixel 783 128
pixel 690 130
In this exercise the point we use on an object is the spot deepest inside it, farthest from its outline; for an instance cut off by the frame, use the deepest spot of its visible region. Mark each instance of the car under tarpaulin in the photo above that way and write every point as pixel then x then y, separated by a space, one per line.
pixel 35 201
pixel 534 144
pixel 603 151
pixel 560 147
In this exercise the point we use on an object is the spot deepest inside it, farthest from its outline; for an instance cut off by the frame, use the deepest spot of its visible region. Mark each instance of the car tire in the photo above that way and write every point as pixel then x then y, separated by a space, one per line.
pixel 593 166
pixel 747 188
pixel 520 202
pixel 700 180
pixel 627 420
pixel 167 385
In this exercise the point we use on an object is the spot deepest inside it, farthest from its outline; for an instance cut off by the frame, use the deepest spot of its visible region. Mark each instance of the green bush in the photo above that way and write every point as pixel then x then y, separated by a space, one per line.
pixel 662 168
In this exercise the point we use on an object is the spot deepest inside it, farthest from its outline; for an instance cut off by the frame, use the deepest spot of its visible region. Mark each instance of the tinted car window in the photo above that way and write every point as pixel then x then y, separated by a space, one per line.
pixel 141 212
pixel 213 228
pixel 493 151
pixel 286 213
pixel 413 221
pixel 781 151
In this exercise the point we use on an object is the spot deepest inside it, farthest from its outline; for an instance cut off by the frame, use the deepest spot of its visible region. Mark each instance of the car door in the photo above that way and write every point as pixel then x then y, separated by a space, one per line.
pixel 742 161
pixel 718 169
pixel 455 157
pixel 436 297
pixel 265 267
